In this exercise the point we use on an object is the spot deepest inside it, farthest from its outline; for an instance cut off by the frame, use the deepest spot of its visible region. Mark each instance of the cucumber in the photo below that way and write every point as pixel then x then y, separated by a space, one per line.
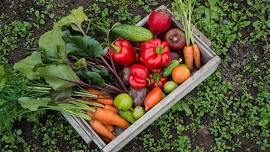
pixel 168 69
pixel 132 33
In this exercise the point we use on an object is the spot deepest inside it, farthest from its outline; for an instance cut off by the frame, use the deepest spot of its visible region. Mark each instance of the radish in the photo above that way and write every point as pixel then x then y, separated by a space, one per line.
pixel 159 21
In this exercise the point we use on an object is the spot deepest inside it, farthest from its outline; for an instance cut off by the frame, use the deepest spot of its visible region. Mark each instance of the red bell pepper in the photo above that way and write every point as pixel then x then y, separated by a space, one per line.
pixel 138 76
pixel 123 53
pixel 156 80
pixel 155 54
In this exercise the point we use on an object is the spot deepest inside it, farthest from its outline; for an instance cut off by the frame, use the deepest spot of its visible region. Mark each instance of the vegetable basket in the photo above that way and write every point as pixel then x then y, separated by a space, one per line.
pixel 210 62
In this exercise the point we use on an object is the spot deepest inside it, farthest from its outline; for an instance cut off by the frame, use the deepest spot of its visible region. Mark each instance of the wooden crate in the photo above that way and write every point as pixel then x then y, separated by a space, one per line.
pixel 210 62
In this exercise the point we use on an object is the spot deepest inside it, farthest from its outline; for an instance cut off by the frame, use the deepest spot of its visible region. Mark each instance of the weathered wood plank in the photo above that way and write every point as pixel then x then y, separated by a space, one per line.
pixel 163 106
pixel 201 36
pixel 78 128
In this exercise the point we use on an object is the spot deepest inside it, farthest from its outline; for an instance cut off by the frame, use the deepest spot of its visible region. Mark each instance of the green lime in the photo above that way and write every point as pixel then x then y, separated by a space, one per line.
pixel 138 112
pixel 123 101
pixel 169 86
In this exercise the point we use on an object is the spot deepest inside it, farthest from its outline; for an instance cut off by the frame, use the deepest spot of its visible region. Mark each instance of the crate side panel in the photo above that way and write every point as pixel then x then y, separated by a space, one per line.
pixel 78 128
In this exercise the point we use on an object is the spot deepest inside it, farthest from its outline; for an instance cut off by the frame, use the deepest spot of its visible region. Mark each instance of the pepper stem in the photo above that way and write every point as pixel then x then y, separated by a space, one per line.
pixel 116 48
pixel 159 50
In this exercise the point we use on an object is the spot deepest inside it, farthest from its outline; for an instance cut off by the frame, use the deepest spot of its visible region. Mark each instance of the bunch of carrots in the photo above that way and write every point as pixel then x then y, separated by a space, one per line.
pixel 104 116
pixel 192 54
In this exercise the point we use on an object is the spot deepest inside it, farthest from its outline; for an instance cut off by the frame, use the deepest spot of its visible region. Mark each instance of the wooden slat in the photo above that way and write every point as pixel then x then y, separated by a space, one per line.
pixel 163 106
pixel 78 128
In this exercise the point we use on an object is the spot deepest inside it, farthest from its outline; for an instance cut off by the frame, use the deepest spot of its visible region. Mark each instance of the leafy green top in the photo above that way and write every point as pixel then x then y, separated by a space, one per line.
pixel 183 11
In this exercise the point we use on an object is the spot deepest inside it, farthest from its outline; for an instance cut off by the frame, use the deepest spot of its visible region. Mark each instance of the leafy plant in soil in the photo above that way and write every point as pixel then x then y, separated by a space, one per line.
pixel 10 91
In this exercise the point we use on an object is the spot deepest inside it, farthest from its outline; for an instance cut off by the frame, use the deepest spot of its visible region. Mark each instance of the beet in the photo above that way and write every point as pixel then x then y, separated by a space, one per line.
pixel 159 21
pixel 176 38
pixel 174 55
pixel 138 96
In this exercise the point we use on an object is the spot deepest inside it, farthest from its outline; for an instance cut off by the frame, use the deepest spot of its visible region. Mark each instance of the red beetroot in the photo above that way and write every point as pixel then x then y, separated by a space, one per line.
pixel 176 38
pixel 159 21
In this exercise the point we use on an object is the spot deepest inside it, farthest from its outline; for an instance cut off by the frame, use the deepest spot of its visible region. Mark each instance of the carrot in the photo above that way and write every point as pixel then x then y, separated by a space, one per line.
pixel 110 127
pixel 105 101
pixel 94 91
pixel 91 114
pixel 180 73
pixel 110 117
pixel 111 108
pixel 102 97
pixel 107 140
pixel 197 55
pixel 101 129
pixel 152 98
pixel 188 56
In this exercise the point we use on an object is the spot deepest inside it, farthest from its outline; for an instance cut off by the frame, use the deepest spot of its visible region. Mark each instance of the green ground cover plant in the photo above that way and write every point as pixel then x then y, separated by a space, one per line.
pixel 227 112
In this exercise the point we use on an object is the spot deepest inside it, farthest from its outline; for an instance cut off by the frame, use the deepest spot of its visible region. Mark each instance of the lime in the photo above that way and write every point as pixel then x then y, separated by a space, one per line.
pixel 138 112
pixel 123 101
pixel 169 86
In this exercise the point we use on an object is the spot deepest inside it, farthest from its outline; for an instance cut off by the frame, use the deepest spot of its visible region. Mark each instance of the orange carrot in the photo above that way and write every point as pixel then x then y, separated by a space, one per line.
pixel 109 117
pixel 91 114
pixel 102 97
pixel 105 101
pixel 188 56
pixel 152 98
pixel 101 129
pixel 197 55
pixel 107 140
pixel 111 108
pixel 110 127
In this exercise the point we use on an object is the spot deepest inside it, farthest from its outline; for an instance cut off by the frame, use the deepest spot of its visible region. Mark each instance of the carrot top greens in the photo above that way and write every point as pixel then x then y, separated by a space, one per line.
pixel 183 11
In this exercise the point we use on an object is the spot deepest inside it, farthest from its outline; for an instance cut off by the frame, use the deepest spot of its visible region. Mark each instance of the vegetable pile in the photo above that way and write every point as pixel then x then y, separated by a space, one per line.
pixel 113 87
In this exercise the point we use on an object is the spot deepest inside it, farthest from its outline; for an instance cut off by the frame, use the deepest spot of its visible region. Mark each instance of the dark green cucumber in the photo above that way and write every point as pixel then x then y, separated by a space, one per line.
pixel 132 33
pixel 168 69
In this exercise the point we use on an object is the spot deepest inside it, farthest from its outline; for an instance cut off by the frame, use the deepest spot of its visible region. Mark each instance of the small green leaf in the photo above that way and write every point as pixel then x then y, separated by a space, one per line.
pixel 268 22
pixel 53 44
pixel 27 65
pixel 186 108
pixel 244 23
pixel 84 46
pixel 33 104
pixel 76 17
pixel 58 76
pixel 3 78
pixel 81 63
